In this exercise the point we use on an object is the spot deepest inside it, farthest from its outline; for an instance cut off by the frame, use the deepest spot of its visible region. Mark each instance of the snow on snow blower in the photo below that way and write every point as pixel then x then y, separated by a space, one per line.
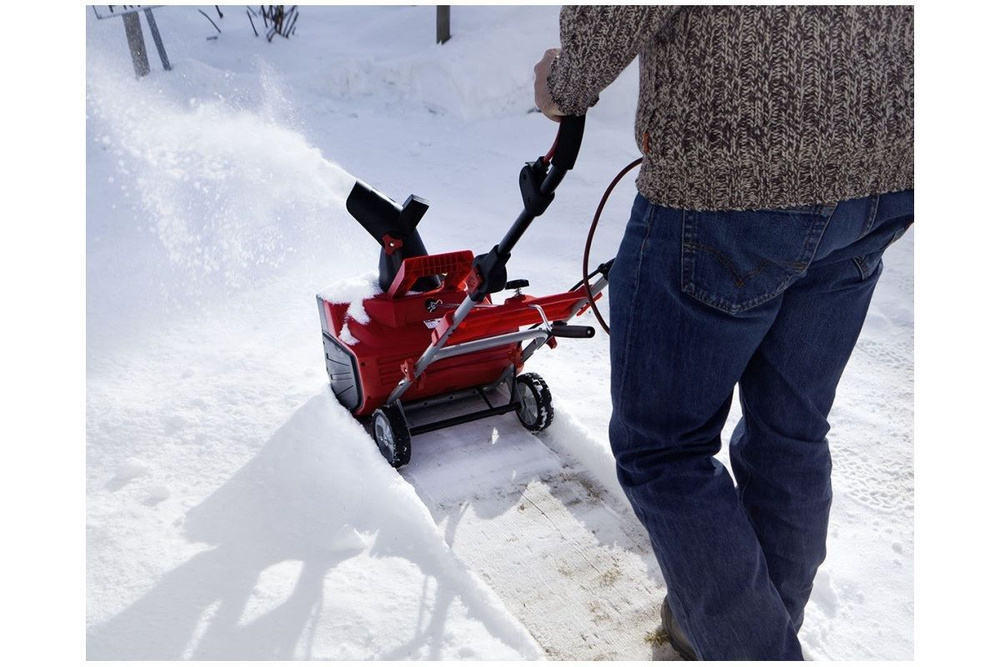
pixel 434 335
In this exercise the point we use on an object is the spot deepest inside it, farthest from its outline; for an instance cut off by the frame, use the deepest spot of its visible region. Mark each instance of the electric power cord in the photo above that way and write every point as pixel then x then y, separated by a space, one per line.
pixel 606 267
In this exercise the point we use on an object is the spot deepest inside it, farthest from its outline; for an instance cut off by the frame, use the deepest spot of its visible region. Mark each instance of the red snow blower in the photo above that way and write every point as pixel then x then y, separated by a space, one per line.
pixel 434 335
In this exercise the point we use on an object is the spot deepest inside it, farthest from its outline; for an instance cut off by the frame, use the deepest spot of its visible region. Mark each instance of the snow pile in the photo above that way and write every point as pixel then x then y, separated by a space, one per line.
pixel 353 291
pixel 313 549
pixel 410 69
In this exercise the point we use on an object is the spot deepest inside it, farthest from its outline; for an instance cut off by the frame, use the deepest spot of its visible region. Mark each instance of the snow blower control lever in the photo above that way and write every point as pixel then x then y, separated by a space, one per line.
pixel 538 183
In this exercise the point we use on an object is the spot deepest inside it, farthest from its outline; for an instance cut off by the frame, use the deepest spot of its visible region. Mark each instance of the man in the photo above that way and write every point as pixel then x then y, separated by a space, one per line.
pixel 777 167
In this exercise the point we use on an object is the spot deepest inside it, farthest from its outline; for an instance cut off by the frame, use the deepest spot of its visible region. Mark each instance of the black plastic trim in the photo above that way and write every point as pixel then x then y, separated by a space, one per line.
pixel 346 386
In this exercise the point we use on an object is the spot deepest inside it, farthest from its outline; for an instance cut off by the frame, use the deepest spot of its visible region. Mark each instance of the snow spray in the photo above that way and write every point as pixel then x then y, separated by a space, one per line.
pixel 229 189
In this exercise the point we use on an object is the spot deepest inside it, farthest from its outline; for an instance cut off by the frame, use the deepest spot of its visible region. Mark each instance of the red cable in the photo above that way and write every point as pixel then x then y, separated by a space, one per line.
pixel 590 239
pixel 552 151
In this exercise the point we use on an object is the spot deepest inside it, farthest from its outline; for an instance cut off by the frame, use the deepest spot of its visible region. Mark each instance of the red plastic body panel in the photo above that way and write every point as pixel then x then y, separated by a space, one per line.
pixel 454 266
pixel 400 329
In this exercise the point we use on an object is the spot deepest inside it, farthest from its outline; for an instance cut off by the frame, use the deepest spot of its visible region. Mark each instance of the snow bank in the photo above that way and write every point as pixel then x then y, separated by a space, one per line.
pixel 313 549
pixel 454 78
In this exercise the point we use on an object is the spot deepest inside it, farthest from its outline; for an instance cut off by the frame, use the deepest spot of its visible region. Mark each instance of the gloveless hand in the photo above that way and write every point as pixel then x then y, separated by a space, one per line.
pixel 543 98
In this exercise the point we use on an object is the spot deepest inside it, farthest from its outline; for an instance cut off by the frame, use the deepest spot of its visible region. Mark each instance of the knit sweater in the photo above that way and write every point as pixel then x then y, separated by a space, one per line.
pixel 752 107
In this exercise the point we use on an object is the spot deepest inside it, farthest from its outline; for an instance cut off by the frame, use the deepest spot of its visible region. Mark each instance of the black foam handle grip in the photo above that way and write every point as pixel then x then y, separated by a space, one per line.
pixel 568 141
pixel 572 331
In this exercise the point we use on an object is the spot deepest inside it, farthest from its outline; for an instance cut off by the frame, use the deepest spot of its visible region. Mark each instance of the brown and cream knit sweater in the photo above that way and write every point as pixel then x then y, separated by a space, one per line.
pixel 750 107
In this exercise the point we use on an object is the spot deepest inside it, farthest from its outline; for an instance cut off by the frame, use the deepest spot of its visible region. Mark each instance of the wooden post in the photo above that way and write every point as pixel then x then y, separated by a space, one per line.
pixel 136 45
pixel 443 23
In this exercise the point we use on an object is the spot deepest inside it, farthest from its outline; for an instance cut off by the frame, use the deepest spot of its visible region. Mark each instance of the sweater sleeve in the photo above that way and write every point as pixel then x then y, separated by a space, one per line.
pixel 598 42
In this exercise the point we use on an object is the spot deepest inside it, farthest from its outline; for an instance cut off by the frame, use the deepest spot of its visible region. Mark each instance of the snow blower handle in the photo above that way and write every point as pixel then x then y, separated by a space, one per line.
pixel 538 182
pixel 568 142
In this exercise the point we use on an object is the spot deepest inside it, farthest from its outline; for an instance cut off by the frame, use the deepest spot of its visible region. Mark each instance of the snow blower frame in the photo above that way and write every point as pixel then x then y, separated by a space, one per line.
pixel 434 334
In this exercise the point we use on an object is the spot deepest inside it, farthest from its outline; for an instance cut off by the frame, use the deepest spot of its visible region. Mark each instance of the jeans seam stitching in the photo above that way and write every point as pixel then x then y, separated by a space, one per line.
pixel 872 213
pixel 738 280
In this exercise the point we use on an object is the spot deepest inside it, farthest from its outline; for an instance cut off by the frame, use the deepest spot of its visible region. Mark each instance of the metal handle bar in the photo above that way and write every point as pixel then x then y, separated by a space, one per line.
pixel 538 184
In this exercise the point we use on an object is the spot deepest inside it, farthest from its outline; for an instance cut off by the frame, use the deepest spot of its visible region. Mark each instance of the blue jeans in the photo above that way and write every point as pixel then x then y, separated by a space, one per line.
pixel 770 300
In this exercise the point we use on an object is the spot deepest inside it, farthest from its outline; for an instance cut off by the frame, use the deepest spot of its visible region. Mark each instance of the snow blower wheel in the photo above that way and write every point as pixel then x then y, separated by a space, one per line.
pixel 535 412
pixel 391 434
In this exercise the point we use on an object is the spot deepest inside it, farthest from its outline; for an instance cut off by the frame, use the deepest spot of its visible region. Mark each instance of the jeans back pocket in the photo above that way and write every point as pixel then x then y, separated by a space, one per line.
pixel 736 260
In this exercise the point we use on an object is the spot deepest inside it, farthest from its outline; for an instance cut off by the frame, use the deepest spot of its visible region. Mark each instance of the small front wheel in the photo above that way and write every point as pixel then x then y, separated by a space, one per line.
pixel 535 411
pixel 392 435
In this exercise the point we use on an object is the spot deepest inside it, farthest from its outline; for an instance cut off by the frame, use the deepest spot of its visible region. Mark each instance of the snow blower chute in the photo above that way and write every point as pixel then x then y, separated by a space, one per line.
pixel 434 335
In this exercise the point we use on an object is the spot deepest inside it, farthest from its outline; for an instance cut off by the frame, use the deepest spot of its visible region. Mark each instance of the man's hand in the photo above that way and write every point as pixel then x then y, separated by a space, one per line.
pixel 543 98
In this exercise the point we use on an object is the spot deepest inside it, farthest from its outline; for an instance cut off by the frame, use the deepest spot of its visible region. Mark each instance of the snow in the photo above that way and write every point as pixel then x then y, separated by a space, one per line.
pixel 353 291
pixel 235 510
